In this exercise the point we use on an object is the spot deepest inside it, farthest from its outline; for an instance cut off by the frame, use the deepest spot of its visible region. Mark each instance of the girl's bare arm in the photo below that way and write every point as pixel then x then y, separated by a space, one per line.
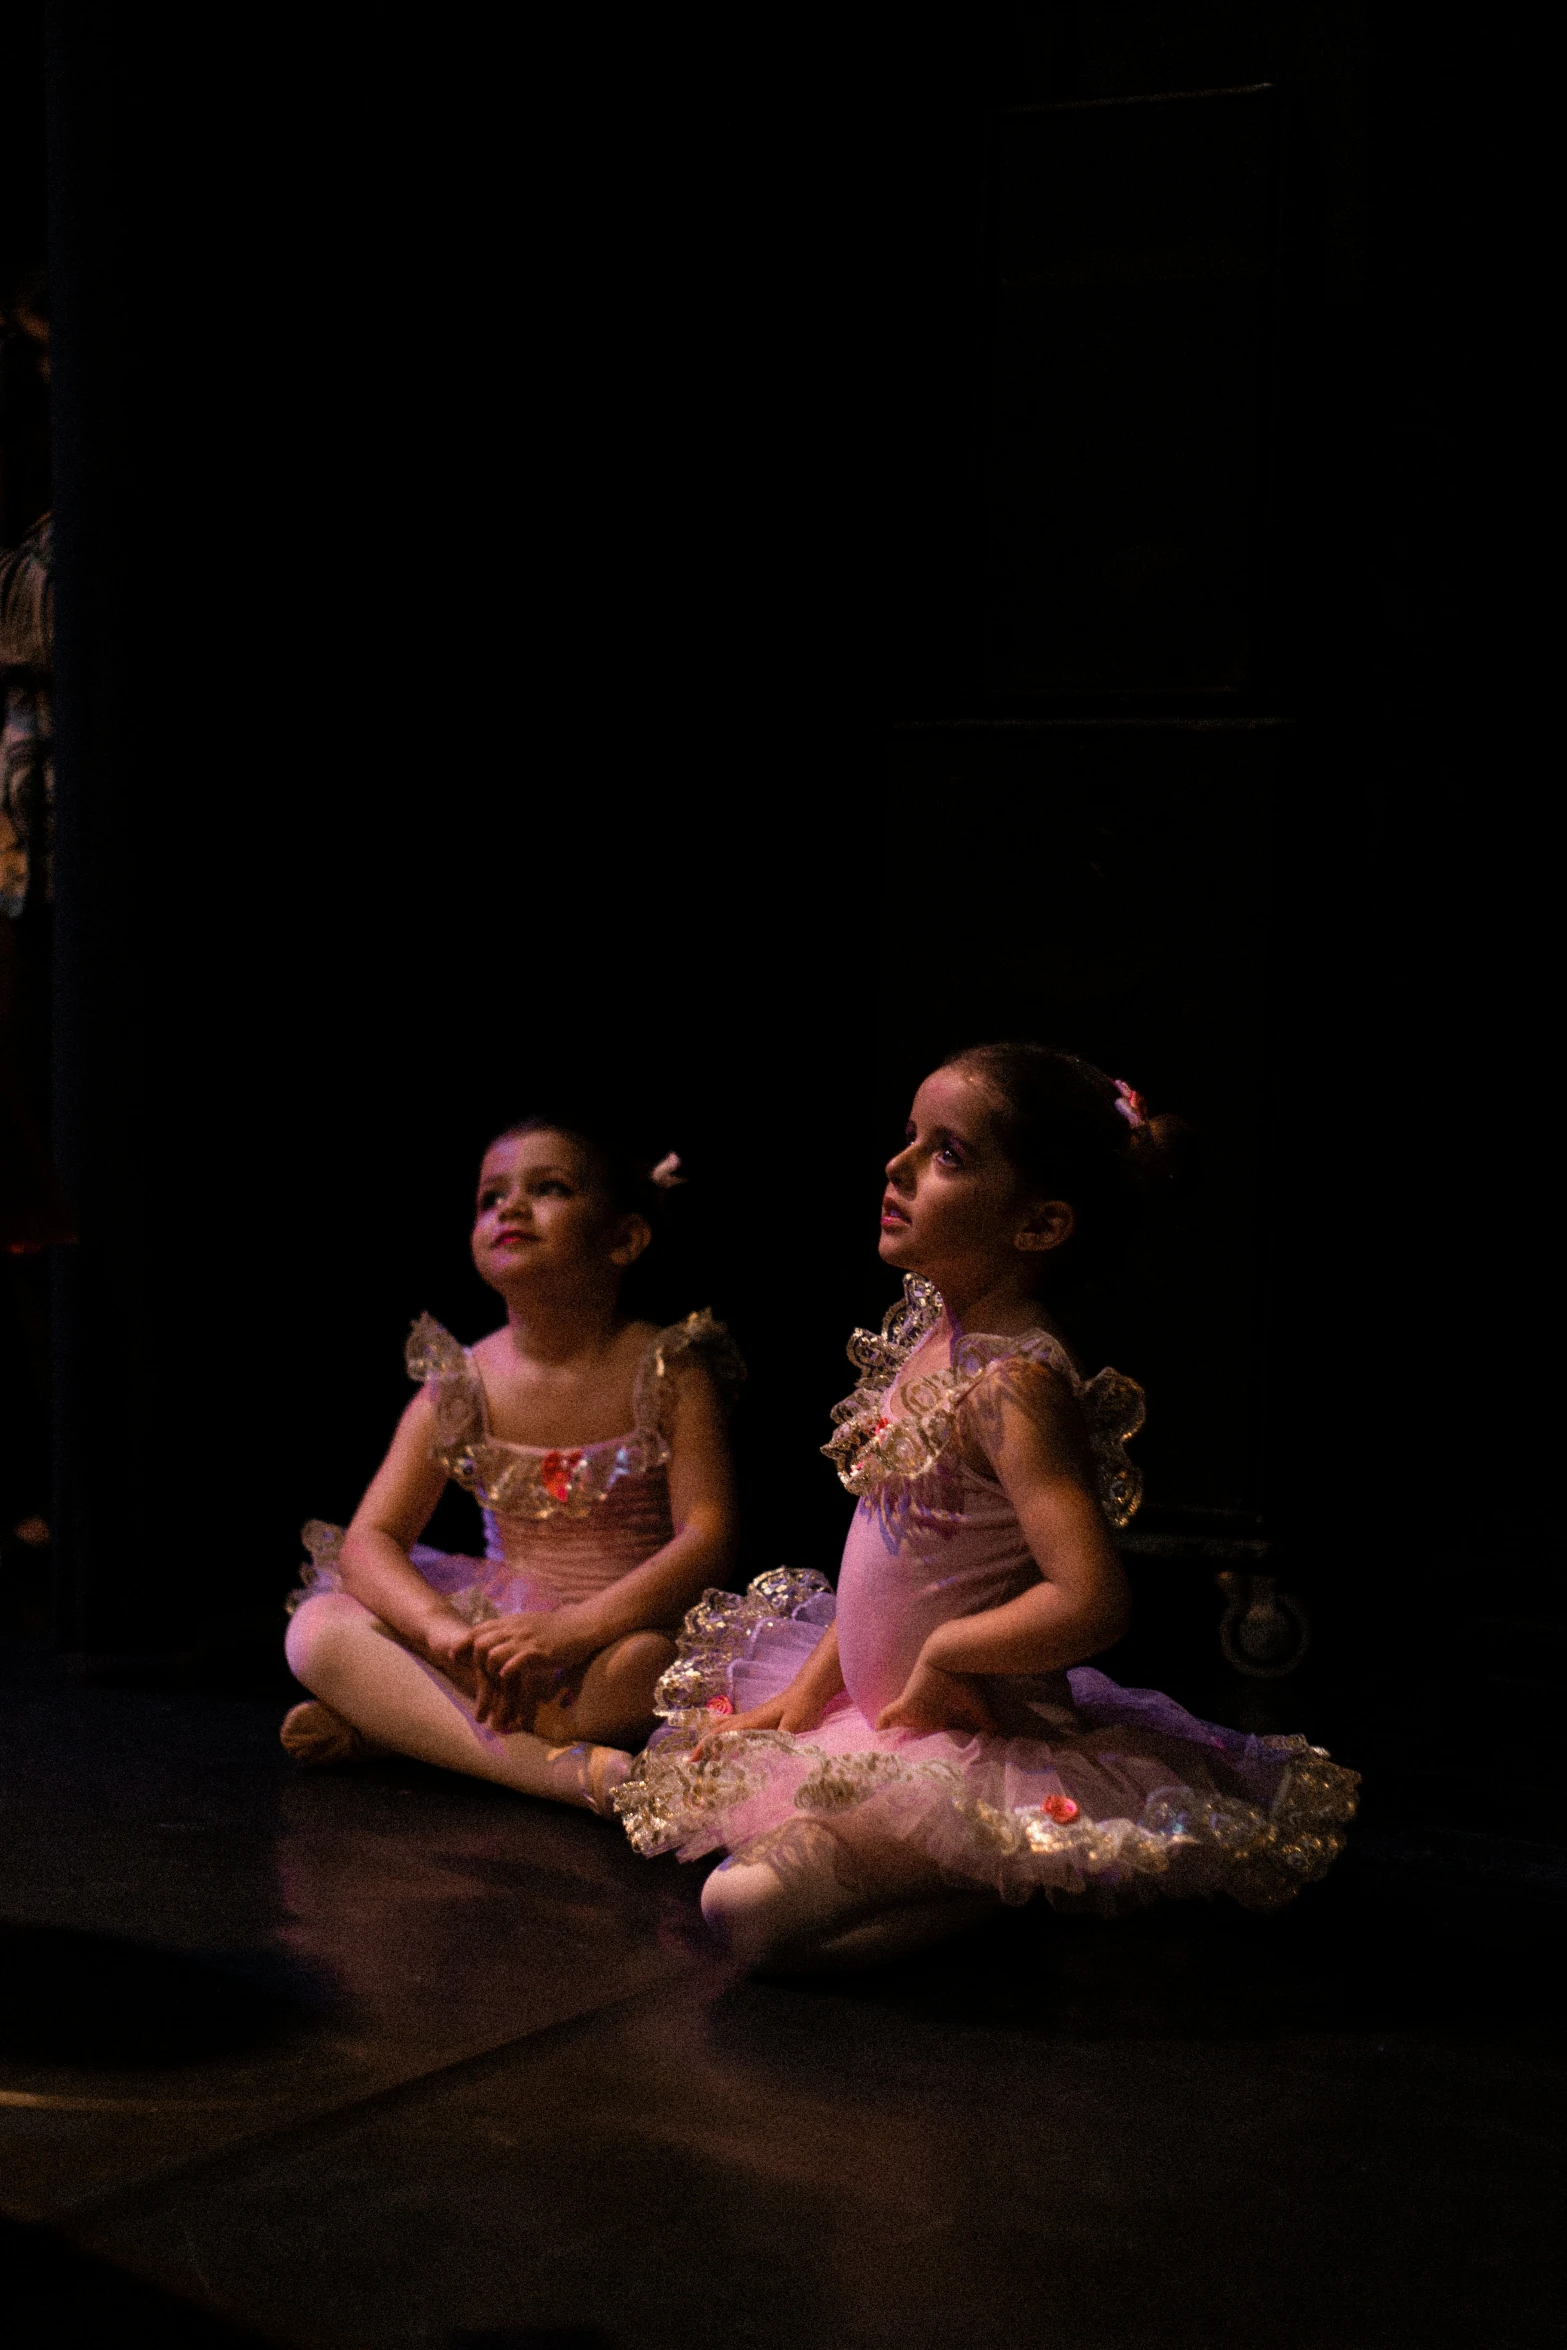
pixel 375 1566
pixel 1032 1435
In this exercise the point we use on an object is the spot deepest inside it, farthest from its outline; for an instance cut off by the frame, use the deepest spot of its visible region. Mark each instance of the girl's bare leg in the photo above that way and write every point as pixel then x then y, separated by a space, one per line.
pixel 612 1698
pixel 346 1657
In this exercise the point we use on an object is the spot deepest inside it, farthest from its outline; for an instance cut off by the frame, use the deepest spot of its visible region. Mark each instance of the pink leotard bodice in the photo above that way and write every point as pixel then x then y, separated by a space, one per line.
pixel 942 1542
pixel 905 1572
pixel 559 1523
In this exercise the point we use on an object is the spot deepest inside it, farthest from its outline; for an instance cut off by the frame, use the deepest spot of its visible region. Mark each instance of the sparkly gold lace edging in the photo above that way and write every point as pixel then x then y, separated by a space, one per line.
pixel 717 1632
pixel 324 1542
pixel 518 1481
pixel 1262 1858
pixel 874 1452
pixel 528 1482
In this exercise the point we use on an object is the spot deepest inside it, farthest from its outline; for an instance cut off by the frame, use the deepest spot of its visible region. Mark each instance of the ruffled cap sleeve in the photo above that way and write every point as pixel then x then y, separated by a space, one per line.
pixel 445 1370
pixel 698 1339
pixel 433 1353
pixel 1114 1408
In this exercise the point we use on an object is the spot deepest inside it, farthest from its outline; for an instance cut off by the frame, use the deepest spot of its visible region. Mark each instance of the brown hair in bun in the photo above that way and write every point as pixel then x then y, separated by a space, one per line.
pixel 1077 1135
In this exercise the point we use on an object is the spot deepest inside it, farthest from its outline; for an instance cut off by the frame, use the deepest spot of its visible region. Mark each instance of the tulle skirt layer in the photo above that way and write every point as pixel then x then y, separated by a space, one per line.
pixel 1131 1798
pixel 478 1588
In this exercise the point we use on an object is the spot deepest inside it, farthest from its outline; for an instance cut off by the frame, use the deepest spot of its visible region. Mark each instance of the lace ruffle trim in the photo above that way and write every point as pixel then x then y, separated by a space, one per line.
pixel 873 1449
pixel 325 1542
pixel 525 1481
pixel 1262 1858
pixel 723 1630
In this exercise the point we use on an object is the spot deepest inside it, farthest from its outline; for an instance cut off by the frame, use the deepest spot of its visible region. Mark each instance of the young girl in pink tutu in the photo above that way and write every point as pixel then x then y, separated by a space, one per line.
pixel 885 1766
pixel 595 1446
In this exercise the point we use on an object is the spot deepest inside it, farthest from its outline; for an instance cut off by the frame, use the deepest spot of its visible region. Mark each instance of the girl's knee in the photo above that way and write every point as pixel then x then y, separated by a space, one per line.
pixel 742 1909
pixel 613 1700
pixel 807 1923
pixel 316 1626
pixel 640 1656
pixel 765 1910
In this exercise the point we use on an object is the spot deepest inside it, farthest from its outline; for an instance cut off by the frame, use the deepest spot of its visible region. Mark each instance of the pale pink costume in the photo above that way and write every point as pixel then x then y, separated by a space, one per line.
pixel 558 1526
pixel 1091 1794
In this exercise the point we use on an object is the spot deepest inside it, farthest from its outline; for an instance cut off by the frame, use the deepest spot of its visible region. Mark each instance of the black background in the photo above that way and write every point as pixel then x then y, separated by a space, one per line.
pixel 514 488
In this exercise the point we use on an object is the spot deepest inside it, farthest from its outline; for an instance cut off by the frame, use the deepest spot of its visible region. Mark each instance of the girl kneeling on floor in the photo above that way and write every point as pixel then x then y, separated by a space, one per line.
pixel 595 1446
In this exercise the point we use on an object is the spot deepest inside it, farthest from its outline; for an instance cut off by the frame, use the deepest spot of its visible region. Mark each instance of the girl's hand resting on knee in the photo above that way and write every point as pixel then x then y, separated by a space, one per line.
pixel 448 1644
pixel 527 1649
pixel 933 1699
pixel 524 1658
pixel 501 1707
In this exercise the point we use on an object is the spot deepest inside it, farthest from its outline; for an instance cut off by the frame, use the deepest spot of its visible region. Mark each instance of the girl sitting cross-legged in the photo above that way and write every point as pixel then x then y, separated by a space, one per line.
pixel 595 1446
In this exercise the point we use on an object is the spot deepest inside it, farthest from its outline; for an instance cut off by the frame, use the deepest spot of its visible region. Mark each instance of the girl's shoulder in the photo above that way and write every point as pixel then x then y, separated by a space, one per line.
pixel 492 1352
pixel 699 1343
pixel 1034 1383
pixel 1042 1379
pixel 1091 1419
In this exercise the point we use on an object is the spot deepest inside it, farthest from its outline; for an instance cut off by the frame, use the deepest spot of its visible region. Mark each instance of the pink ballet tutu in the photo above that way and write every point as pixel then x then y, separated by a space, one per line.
pixel 1123 1799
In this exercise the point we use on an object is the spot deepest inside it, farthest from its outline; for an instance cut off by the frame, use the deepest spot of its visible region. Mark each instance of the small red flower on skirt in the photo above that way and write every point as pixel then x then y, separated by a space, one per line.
pixel 720 1705
pixel 1060 1807
pixel 555 1474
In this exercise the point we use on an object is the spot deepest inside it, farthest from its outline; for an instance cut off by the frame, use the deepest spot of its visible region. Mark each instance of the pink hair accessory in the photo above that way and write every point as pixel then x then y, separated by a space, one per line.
pixel 1131 1105
pixel 667 1173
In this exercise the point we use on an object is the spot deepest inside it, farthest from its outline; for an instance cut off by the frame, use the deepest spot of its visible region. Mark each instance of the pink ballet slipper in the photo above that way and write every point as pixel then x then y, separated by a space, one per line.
pixel 606 1768
pixel 313 1734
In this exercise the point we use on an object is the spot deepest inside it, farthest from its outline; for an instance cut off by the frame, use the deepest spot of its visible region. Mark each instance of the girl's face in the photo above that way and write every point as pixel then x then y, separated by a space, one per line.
pixel 954 1210
pixel 544 1211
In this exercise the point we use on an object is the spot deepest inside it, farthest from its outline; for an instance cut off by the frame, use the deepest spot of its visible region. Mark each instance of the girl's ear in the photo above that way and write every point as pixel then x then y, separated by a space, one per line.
pixel 633 1234
pixel 1048 1224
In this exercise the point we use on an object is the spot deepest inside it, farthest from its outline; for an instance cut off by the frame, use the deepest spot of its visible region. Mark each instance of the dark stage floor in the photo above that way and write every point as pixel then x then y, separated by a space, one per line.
pixel 381 2057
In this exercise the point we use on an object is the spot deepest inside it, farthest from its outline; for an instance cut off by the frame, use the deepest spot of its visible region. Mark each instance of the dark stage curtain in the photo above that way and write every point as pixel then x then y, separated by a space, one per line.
pixel 509 496
pixel 446 592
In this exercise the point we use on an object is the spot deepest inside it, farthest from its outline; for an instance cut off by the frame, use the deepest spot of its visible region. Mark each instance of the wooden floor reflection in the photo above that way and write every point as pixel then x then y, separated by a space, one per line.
pixel 381 2057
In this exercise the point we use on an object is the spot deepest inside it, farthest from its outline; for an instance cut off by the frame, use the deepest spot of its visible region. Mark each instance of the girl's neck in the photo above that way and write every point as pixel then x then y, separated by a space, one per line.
pixel 996 1307
pixel 564 1330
